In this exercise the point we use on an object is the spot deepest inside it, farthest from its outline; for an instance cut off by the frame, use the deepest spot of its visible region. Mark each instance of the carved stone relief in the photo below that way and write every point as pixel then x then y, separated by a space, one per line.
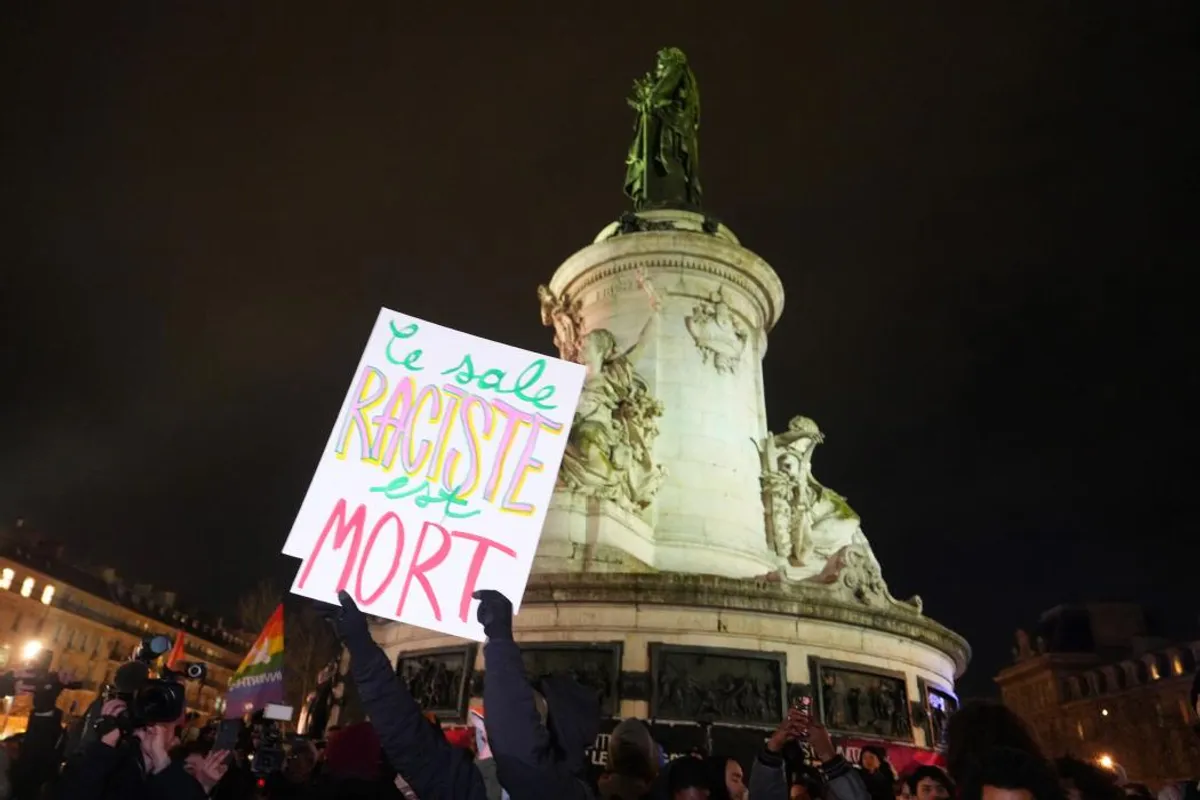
pixel 716 685
pixel 719 335
pixel 439 680
pixel 610 450
pixel 563 314
pixel 596 666
pixel 853 700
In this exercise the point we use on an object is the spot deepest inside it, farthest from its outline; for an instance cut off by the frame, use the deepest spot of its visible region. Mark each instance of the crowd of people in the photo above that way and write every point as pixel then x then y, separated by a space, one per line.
pixel 533 747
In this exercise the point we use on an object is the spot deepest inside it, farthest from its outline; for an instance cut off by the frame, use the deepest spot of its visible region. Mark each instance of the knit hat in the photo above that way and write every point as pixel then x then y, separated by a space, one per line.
pixel 354 753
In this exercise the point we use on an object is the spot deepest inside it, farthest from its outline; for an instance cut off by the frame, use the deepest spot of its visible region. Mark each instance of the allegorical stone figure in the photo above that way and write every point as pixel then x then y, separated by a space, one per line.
pixel 610 448
pixel 663 166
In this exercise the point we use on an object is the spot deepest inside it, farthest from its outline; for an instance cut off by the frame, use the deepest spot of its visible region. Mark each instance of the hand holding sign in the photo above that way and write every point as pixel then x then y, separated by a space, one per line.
pixel 495 615
pixel 436 476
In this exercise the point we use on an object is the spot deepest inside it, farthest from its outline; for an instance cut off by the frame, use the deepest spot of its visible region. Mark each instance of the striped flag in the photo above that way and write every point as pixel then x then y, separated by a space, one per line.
pixel 259 680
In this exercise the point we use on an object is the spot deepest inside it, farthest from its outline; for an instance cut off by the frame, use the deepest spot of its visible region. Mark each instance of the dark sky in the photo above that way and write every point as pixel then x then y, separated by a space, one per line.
pixel 979 211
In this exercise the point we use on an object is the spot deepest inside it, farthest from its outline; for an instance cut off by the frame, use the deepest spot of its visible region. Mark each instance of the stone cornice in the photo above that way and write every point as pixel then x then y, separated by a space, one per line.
pixel 674 250
pixel 708 591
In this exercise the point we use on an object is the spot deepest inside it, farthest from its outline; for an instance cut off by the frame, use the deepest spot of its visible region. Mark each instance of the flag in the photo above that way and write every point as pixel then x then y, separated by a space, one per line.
pixel 176 654
pixel 259 680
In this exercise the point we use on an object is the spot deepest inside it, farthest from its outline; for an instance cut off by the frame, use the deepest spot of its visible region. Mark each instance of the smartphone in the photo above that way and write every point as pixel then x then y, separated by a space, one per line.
pixel 228 733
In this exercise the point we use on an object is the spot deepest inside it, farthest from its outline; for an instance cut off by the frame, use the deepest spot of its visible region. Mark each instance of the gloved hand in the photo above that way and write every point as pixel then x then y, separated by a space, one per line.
pixel 495 615
pixel 349 621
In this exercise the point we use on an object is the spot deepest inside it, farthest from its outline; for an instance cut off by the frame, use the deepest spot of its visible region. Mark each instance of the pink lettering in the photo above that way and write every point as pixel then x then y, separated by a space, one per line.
pixel 418 570
pixel 337 521
pixel 482 545
pixel 526 464
pixel 390 423
pixel 355 414
pixel 366 557
pixel 515 418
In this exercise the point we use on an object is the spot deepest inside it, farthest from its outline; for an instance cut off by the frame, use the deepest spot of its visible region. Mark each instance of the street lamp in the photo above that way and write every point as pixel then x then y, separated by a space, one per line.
pixel 31 649
pixel 1105 761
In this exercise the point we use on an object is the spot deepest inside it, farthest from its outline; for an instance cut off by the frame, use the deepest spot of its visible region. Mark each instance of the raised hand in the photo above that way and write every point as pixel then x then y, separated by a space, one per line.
pixel 212 769
pixel 495 614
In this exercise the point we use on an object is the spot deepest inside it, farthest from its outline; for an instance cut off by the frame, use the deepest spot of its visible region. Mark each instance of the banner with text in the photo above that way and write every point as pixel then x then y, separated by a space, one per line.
pixel 436 476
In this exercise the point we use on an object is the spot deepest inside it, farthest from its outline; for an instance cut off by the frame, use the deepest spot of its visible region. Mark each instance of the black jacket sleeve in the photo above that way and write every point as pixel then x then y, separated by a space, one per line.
pixel 86 777
pixel 434 768
pixel 524 754
pixel 174 784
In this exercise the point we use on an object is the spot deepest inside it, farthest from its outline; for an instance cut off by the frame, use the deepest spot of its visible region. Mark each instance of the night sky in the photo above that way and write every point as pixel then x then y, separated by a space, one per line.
pixel 981 217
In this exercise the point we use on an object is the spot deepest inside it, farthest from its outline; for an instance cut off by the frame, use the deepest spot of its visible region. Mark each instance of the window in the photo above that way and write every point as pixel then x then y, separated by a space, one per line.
pixel 6 578
pixel 1177 665
pixel 47 595
pixel 27 587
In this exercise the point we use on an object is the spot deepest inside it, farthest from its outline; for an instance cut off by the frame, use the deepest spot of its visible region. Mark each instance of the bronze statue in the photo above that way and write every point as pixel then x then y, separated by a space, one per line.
pixel 663 165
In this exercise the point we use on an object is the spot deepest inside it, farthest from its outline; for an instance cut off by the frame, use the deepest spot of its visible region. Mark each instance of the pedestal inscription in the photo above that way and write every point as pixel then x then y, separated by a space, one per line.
pixel 439 679
pixel 717 685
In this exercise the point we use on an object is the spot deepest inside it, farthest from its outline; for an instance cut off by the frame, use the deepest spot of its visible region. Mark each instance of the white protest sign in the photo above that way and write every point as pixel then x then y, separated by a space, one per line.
pixel 436 476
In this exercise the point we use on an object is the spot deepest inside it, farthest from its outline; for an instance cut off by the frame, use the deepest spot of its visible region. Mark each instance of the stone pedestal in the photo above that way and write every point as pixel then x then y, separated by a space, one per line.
pixel 631 636
pixel 701 358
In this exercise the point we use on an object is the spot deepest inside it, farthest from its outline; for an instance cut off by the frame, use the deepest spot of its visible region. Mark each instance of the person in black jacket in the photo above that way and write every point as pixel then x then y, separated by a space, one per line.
pixel 434 768
pixel 537 755
pixel 131 768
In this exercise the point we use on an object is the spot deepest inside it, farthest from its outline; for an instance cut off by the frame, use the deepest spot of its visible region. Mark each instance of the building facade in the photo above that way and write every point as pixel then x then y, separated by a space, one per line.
pixel 1094 682
pixel 63 619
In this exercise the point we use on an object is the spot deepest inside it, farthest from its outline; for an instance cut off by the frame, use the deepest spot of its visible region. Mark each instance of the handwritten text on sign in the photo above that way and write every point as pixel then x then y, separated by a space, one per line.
pixel 436 476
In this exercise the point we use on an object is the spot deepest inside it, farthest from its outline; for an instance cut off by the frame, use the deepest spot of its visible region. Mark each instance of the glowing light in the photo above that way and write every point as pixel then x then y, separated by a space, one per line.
pixel 30 650
pixel 27 587
pixel 1105 761
pixel 1104 712
pixel 47 595
pixel 6 578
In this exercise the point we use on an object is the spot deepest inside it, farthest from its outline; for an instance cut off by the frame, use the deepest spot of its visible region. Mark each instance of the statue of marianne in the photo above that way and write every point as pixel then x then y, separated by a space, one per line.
pixel 662 169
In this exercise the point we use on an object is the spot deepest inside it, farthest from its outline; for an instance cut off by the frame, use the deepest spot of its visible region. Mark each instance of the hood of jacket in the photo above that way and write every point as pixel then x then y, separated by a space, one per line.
pixel 573 718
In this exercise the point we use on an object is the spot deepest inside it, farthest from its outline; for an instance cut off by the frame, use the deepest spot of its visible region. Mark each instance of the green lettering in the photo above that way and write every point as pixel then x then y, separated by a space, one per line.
pixel 465 371
pixel 392 491
pixel 493 381
pixel 409 362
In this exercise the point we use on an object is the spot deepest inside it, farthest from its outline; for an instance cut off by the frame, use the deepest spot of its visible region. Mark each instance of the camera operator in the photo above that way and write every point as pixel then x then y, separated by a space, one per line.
pixel 132 766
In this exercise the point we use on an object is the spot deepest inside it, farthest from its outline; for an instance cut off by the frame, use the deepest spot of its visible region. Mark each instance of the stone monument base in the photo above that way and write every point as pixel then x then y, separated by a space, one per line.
pixel 700 649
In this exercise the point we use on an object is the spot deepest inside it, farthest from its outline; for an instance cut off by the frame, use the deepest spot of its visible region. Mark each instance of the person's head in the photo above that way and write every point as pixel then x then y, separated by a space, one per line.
pixel 929 783
pixel 901 790
pixel 687 779
pixel 1083 781
pixel 871 758
pixel 726 780
pixel 1005 773
pixel 978 728
pixel 354 753
pixel 632 751
pixel 806 784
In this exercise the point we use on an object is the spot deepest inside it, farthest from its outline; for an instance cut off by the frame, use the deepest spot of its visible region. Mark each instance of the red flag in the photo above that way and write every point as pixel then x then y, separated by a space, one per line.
pixel 176 654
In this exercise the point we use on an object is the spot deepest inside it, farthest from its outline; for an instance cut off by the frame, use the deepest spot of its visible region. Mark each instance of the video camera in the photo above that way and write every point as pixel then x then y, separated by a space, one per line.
pixel 148 701
pixel 269 754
